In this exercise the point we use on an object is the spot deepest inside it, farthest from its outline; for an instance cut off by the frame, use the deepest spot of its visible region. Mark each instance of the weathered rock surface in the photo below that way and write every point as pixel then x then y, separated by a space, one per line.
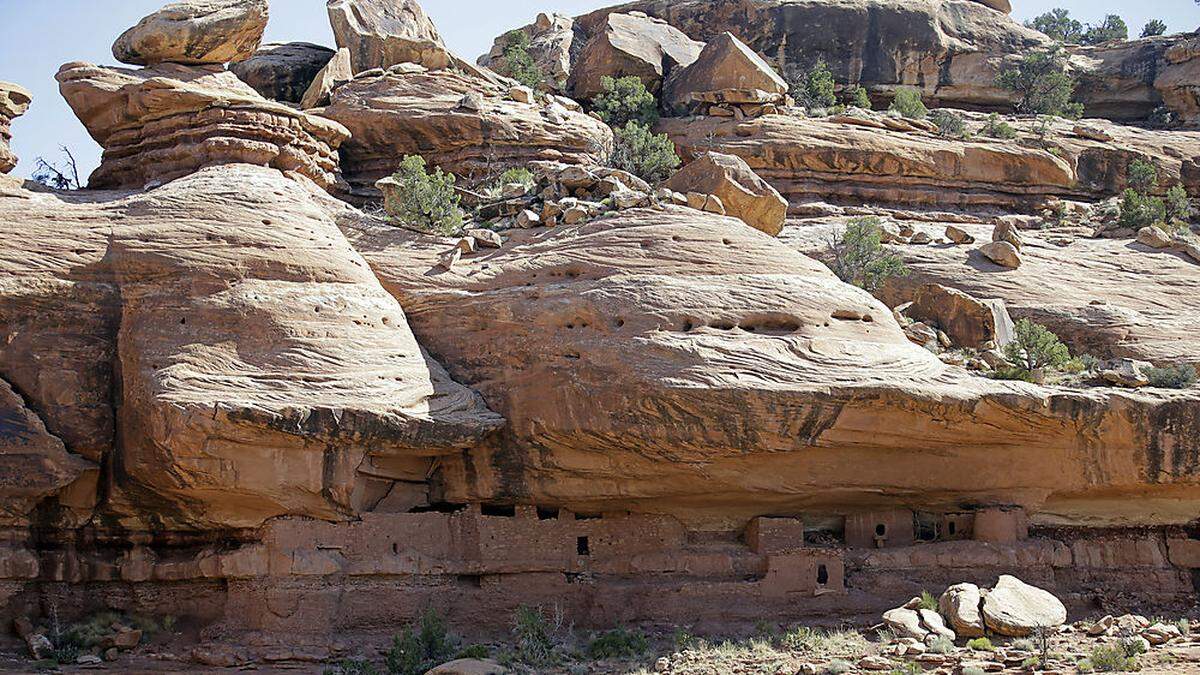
pixel 335 73
pixel 631 44
pixel 410 110
pixel 283 71
pixel 195 32
pixel 848 160
pixel 1127 81
pixel 960 605
pixel 968 321
pixel 742 193
pixel 14 101
pixel 383 33
pixel 727 71
pixel 553 46
pixel 156 124
pixel 1002 253
pixel 1015 609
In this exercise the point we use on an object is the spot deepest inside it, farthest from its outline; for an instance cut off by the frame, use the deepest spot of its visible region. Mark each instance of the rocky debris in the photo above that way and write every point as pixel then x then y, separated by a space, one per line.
pixel 741 192
pixel 410 110
pixel 959 236
pixel 1126 81
pixel 469 667
pixel 36 641
pixel 1006 230
pixel 969 322
pixel 384 33
pixel 727 75
pixel 1154 237
pixel 335 73
pixel 960 605
pixel 14 101
pixel 284 71
pixel 1002 253
pixel 156 124
pixel 552 46
pixel 1175 79
pixel 1126 373
pixel 195 32
pixel 1016 609
pixel 631 44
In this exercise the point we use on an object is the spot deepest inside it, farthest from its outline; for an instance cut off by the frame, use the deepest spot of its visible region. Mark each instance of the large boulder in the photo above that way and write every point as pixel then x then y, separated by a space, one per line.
pixel 159 123
pixel 552 45
pixel 960 605
pixel 968 322
pixel 14 101
pixel 283 71
pixel 195 32
pixel 743 193
pixel 335 73
pixel 383 33
pixel 1015 609
pixel 632 44
pixel 726 71
pixel 461 123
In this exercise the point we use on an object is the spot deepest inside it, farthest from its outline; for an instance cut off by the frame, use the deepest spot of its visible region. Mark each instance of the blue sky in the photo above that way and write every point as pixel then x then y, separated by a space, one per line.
pixel 36 37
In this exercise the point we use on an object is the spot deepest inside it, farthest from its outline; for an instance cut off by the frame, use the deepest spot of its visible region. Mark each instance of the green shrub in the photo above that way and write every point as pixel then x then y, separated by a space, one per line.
pixel 351 667
pixel 1042 82
pixel 427 201
pixel 981 644
pixel 1172 377
pixel 1111 659
pixel 859 256
pixel 1142 176
pixel 420 647
pixel 1036 347
pixel 1154 27
pixel 949 123
pixel 618 644
pixel 1112 29
pixel 1058 24
pixel 908 103
pixel 928 601
pixel 907 669
pixel 858 97
pixel 641 152
pixel 1138 210
pixel 998 128
pixel 1179 207
pixel 518 64
pixel 815 89
pixel 473 652
pixel 625 100
pixel 973 670
pixel 940 645
pixel 531 632
pixel 1161 117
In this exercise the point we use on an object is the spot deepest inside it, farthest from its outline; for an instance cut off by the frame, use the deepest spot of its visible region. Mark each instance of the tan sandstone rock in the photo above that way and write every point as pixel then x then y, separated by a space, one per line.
pixel 1154 237
pixel 960 605
pixel 283 71
pixel 1015 609
pixel 552 45
pixel 742 193
pixel 156 124
pixel 14 101
pixel 727 71
pixel 969 322
pixel 1002 253
pixel 630 44
pixel 335 73
pixel 469 667
pixel 195 32
pixel 383 33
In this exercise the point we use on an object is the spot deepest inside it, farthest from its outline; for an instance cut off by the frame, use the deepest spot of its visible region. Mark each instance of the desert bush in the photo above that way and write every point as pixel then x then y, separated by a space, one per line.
pixel 1138 210
pixel 1142 176
pixel 624 100
pixel 1043 84
pixel 427 201
pixel 940 645
pixel 1154 27
pixel 532 634
pixel 859 257
pixel 1112 29
pixel 518 64
pixel 63 175
pixel 618 644
pixel 1058 24
pixel 815 89
pixel 995 127
pixel 1172 377
pixel 641 152
pixel 909 104
pixel 928 601
pixel 816 641
pixel 351 667
pixel 1111 659
pixel 981 644
pixel 1035 347
pixel 858 97
pixel 1179 207
pixel 420 647
pixel 949 123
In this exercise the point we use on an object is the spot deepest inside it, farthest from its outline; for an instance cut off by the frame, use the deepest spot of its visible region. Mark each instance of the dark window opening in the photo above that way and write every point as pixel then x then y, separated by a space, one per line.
pixel 472 580
pixel 439 507
pixel 582 547
pixel 822 575
pixel 952 527
pixel 587 516
pixel 547 514
pixel 880 530
pixel 395 548
pixel 505 511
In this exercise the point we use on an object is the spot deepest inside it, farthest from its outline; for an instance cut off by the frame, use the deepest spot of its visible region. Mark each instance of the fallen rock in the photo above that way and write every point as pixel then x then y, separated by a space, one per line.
pixel 1015 609
pixel 486 238
pixel 1154 237
pixel 383 33
pixel 1126 373
pixel 905 622
pixel 1002 253
pixel 875 663
pixel 933 622
pixel 469 667
pixel 335 73
pixel 727 71
pixel 195 32
pixel 627 44
pixel 1161 633
pixel 157 124
pixel 742 193
pixel 958 235
pixel 960 604
pixel 283 71
pixel 1006 230
pixel 969 322
pixel 14 102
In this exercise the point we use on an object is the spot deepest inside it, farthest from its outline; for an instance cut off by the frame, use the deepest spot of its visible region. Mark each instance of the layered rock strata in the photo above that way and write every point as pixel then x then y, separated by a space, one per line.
pixel 14 101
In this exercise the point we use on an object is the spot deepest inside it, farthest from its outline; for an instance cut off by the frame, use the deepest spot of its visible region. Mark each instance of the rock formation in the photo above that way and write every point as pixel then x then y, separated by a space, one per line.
pixel 383 33
pixel 195 32
pixel 552 46
pixel 14 101
pixel 742 193
pixel 631 44
pixel 726 72
pixel 335 73
pixel 283 72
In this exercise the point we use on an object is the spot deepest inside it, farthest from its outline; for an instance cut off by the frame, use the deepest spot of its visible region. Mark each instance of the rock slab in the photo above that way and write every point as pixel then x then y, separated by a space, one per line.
pixel 1015 609
pixel 195 32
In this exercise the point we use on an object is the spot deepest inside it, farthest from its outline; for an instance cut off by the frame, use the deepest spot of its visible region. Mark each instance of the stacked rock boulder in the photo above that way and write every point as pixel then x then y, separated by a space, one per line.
pixel 184 110
pixel 283 71
pixel 14 101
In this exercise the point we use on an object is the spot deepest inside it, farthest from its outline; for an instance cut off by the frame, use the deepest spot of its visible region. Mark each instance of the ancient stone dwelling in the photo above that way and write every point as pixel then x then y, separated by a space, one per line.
pixel 234 391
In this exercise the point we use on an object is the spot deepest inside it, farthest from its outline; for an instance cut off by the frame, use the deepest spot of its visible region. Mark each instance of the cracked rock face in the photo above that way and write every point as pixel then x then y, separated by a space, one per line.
pixel 14 101
pixel 195 32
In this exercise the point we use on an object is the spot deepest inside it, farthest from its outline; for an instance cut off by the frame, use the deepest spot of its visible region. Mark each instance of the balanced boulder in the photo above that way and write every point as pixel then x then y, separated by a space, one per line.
pixel 283 72
pixel 195 32
pixel 727 71
pixel 1015 609
pixel 632 44
pixel 968 321
pixel 14 101
pixel 383 33
pixel 744 194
